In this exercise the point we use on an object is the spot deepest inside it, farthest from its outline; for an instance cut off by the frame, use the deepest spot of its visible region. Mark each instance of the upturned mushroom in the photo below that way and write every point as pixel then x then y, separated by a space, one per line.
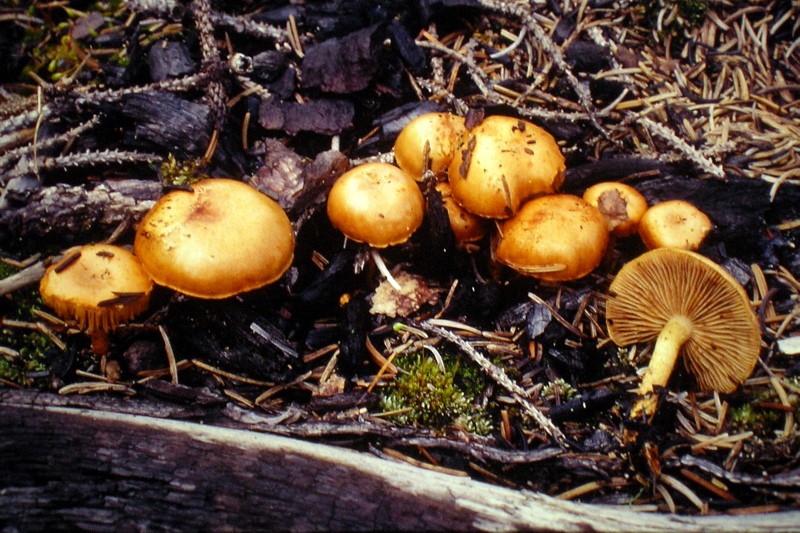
pixel 558 237
pixel 99 286
pixel 503 162
pixel 428 141
pixel 219 239
pixel 674 224
pixel 377 204
pixel 621 205
pixel 689 306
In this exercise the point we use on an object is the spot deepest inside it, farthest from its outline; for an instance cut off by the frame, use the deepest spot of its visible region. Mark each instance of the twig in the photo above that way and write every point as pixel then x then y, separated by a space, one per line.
pixel 502 379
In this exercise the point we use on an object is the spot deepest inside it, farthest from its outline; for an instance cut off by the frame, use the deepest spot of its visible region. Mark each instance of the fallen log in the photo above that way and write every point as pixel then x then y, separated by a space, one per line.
pixel 121 465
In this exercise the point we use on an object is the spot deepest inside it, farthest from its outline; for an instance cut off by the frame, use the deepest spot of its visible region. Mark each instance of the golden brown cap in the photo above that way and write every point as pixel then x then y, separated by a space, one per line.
pixel 621 205
pixel 558 237
pixel 662 284
pixel 440 131
pixel 466 226
pixel 674 224
pixel 98 285
pixel 503 162
pixel 376 203
pixel 220 239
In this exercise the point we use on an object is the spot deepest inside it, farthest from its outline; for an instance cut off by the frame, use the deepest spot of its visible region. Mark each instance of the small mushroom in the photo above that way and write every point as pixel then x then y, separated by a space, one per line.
pixel 559 237
pixel 503 162
pixel 428 141
pixel 219 239
pixel 377 204
pixel 621 205
pixel 466 227
pixel 688 305
pixel 674 224
pixel 99 286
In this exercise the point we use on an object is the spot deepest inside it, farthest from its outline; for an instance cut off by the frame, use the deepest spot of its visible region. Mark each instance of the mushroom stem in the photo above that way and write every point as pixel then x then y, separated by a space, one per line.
pixel 100 344
pixel 676 332
pixel 382 267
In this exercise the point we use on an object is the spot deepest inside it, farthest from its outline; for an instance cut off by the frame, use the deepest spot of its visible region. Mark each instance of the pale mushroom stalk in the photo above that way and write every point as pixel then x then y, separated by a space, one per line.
pixel 676 332
pixel 376 257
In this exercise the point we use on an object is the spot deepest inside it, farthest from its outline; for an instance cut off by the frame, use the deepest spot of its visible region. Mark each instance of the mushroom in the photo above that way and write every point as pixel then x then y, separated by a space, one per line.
pixel 621 205
pixel 558 237
pixel 99 286
pixel 674 224
pixel 219 239
pixel 428 141
pixel 377 204
pixel 503 162
pixel 466 227
pixel 691 306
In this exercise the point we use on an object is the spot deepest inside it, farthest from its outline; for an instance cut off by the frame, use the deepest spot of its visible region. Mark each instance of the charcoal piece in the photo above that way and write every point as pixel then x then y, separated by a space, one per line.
pixel 13 51
pixel 584 406
pixel 354 325
pixel 268 66
pixel 322 293
pixel 328 117
pixel 576 364
pixel 230 335
pixel 164 122
pixel 343 65
pixel 581 177
pixel 343 401
pixel 585 56
pixel 407 48
pixel 169 59
pixel 539 317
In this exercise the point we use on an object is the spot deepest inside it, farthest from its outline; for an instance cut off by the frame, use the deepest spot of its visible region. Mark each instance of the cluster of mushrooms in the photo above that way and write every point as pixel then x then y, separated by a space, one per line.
pixel 502 175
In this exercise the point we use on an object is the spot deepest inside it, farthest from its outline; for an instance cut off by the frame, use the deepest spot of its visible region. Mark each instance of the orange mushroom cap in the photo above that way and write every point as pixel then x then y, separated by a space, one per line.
pixel 439 131
pixel 99 286
pixel 376 203
pixel 674 224
pixel 557 237
pixel 466 226
pixel 621 205
pixel 220 239
pixel 503 162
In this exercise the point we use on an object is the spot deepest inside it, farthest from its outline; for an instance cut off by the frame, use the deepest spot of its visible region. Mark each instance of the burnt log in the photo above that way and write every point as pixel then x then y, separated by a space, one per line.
pixel 104 465
pixel 63 212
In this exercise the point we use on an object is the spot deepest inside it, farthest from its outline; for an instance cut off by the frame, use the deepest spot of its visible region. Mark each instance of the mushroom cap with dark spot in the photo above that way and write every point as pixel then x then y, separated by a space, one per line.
pixel 99 286
pixel 503 162
pixel 217 240
pixel 663 283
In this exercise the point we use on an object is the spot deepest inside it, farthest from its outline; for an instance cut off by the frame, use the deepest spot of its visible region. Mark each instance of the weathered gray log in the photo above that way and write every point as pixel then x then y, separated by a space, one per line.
pixel 65 467
pixel 61 212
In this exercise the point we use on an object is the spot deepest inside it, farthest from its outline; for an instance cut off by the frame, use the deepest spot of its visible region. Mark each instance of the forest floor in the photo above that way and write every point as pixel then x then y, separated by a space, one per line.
pixel 104 106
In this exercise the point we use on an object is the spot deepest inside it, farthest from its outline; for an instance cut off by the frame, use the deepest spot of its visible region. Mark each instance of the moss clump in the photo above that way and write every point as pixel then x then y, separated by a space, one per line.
pixel 31 346
pixel 428 397
pixel 182 173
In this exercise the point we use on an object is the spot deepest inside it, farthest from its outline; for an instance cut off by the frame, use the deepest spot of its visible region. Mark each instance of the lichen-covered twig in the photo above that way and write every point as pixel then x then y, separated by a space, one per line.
pixel 502 379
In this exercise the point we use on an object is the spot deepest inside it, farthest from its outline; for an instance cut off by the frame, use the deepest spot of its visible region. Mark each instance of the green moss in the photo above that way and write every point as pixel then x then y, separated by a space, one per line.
pixel 31 346
pixel 182 173
pixel 428 397
pixel 750 417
